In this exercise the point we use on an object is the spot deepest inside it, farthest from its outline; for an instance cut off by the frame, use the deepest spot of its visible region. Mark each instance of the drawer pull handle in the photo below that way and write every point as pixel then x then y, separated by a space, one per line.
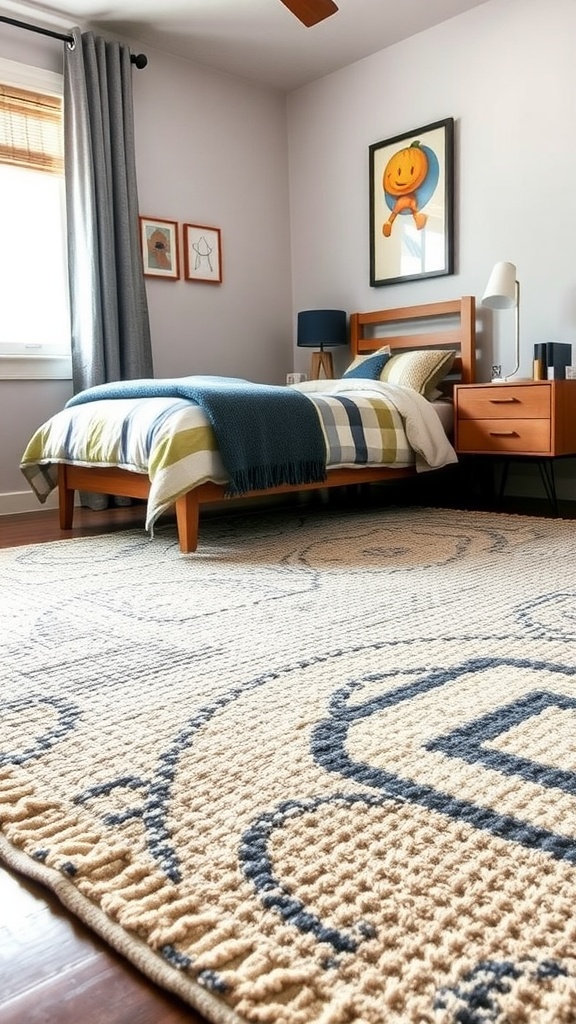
pixel 503 433
pixel 503 401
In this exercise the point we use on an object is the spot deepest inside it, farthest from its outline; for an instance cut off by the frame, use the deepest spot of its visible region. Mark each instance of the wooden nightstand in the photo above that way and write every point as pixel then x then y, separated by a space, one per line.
pixel 522 419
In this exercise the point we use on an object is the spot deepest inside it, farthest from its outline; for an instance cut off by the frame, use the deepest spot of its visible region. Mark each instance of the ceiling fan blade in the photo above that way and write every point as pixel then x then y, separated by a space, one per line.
pixel 310 12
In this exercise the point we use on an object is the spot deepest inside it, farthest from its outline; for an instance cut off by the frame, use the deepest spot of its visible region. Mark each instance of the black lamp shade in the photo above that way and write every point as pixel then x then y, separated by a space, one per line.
pixel 322 328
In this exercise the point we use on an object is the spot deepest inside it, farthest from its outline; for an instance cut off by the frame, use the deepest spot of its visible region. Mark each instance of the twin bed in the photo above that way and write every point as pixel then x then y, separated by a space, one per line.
pixel 387 417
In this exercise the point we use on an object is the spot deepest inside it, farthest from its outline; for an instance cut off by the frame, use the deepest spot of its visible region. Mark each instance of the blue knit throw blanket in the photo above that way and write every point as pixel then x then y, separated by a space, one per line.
pixel 267 435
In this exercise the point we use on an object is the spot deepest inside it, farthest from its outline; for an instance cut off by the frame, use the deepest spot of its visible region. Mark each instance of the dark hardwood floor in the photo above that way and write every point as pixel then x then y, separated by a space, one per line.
pixel 39 527
pixel 52 969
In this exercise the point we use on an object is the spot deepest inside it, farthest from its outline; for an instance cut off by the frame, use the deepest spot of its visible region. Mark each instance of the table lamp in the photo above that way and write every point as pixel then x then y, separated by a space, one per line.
pixel 503 292
pixel 322 328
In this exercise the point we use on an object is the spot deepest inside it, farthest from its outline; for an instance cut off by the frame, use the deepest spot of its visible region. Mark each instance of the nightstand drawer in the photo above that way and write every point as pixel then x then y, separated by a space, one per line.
pixel 504 401
pixel 500 435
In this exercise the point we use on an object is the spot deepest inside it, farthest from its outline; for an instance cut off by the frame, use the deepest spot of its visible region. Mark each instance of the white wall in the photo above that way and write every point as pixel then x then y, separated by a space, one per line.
pixel 506 73
pixel 211 149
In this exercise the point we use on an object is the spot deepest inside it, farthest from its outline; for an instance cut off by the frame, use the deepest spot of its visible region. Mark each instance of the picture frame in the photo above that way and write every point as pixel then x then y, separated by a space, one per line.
pixel 202 253
pixel 160 251
pixel 412 205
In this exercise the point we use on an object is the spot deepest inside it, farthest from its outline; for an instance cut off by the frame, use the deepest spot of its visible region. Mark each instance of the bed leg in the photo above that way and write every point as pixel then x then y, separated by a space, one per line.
pixel 65 500
pixel 187 519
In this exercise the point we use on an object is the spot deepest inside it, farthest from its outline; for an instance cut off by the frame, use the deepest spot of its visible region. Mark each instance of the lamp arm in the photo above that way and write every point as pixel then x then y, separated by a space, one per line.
pixel 517 328
pixel 517 334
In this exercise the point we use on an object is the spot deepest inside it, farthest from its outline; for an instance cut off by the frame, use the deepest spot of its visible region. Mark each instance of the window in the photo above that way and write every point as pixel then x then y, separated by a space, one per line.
pixel 34 313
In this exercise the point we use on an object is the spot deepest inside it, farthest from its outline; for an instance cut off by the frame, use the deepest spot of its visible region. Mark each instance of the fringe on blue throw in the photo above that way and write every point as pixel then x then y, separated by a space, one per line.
pixel 267 435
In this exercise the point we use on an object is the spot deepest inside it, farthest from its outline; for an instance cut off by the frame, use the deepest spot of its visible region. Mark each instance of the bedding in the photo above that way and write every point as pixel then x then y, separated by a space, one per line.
pixel 420 369
pixel 444 409
pixel 171 440
pixel 370 366
pixel 267 436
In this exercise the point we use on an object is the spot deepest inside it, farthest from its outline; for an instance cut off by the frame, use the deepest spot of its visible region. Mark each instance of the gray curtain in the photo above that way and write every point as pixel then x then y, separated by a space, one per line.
pixel 108 306
pixel 110 324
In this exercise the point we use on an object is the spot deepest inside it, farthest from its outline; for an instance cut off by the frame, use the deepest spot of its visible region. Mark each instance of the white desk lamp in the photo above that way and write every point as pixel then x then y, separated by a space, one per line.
pixel 503 292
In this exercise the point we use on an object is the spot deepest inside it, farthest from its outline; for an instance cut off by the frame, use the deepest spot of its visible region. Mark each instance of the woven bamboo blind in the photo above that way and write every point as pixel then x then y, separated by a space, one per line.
pixel 31 133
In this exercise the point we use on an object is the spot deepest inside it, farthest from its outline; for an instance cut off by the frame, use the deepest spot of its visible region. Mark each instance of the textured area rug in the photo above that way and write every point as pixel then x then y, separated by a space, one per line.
pixel 323 771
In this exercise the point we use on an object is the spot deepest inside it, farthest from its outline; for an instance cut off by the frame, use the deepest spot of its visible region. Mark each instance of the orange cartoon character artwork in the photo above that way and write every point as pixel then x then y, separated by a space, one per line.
pixel 409 179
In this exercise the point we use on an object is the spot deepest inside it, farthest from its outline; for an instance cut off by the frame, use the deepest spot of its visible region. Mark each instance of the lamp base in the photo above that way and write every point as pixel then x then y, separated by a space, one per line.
pixel 322 361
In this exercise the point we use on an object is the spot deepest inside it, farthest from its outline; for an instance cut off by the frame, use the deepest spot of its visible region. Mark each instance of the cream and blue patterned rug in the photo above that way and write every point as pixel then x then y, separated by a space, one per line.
pixel 323 771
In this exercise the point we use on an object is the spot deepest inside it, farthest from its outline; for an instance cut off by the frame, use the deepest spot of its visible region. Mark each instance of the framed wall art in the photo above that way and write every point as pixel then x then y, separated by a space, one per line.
pixel 411 205
pixel 159 239
pixel 202 253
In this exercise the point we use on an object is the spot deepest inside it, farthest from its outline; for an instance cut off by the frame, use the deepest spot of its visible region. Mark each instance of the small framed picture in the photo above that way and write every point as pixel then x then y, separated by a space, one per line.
pixel 159 240
pixel 202 253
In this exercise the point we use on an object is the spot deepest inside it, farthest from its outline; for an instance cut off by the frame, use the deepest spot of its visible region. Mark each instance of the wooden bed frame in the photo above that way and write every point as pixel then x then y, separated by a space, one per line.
pixel 450 325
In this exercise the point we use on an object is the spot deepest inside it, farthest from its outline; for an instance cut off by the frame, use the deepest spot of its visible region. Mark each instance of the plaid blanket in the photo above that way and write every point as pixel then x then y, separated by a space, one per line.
pixel 394 424
pixel 363 423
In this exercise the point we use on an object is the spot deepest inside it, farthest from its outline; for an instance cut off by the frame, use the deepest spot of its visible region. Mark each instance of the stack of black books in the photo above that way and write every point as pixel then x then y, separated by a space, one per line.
pixel 552 358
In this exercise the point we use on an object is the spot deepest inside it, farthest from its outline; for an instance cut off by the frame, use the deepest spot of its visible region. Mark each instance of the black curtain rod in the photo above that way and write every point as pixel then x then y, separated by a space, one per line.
pixel 139 59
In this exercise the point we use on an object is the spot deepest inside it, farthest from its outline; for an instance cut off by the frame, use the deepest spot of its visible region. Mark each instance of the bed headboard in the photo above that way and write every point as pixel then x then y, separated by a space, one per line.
pixel 432 325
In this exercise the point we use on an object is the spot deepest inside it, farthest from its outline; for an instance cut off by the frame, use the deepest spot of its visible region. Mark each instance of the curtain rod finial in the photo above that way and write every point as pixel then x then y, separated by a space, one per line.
pixel 139 59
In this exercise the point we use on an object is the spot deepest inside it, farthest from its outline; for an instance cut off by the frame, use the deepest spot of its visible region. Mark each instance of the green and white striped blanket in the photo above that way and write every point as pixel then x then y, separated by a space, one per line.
pixel 364 423
pixel 267 435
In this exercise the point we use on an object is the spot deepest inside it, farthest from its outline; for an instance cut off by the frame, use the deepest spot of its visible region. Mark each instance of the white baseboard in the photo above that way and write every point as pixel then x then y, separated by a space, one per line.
pixel 14 502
